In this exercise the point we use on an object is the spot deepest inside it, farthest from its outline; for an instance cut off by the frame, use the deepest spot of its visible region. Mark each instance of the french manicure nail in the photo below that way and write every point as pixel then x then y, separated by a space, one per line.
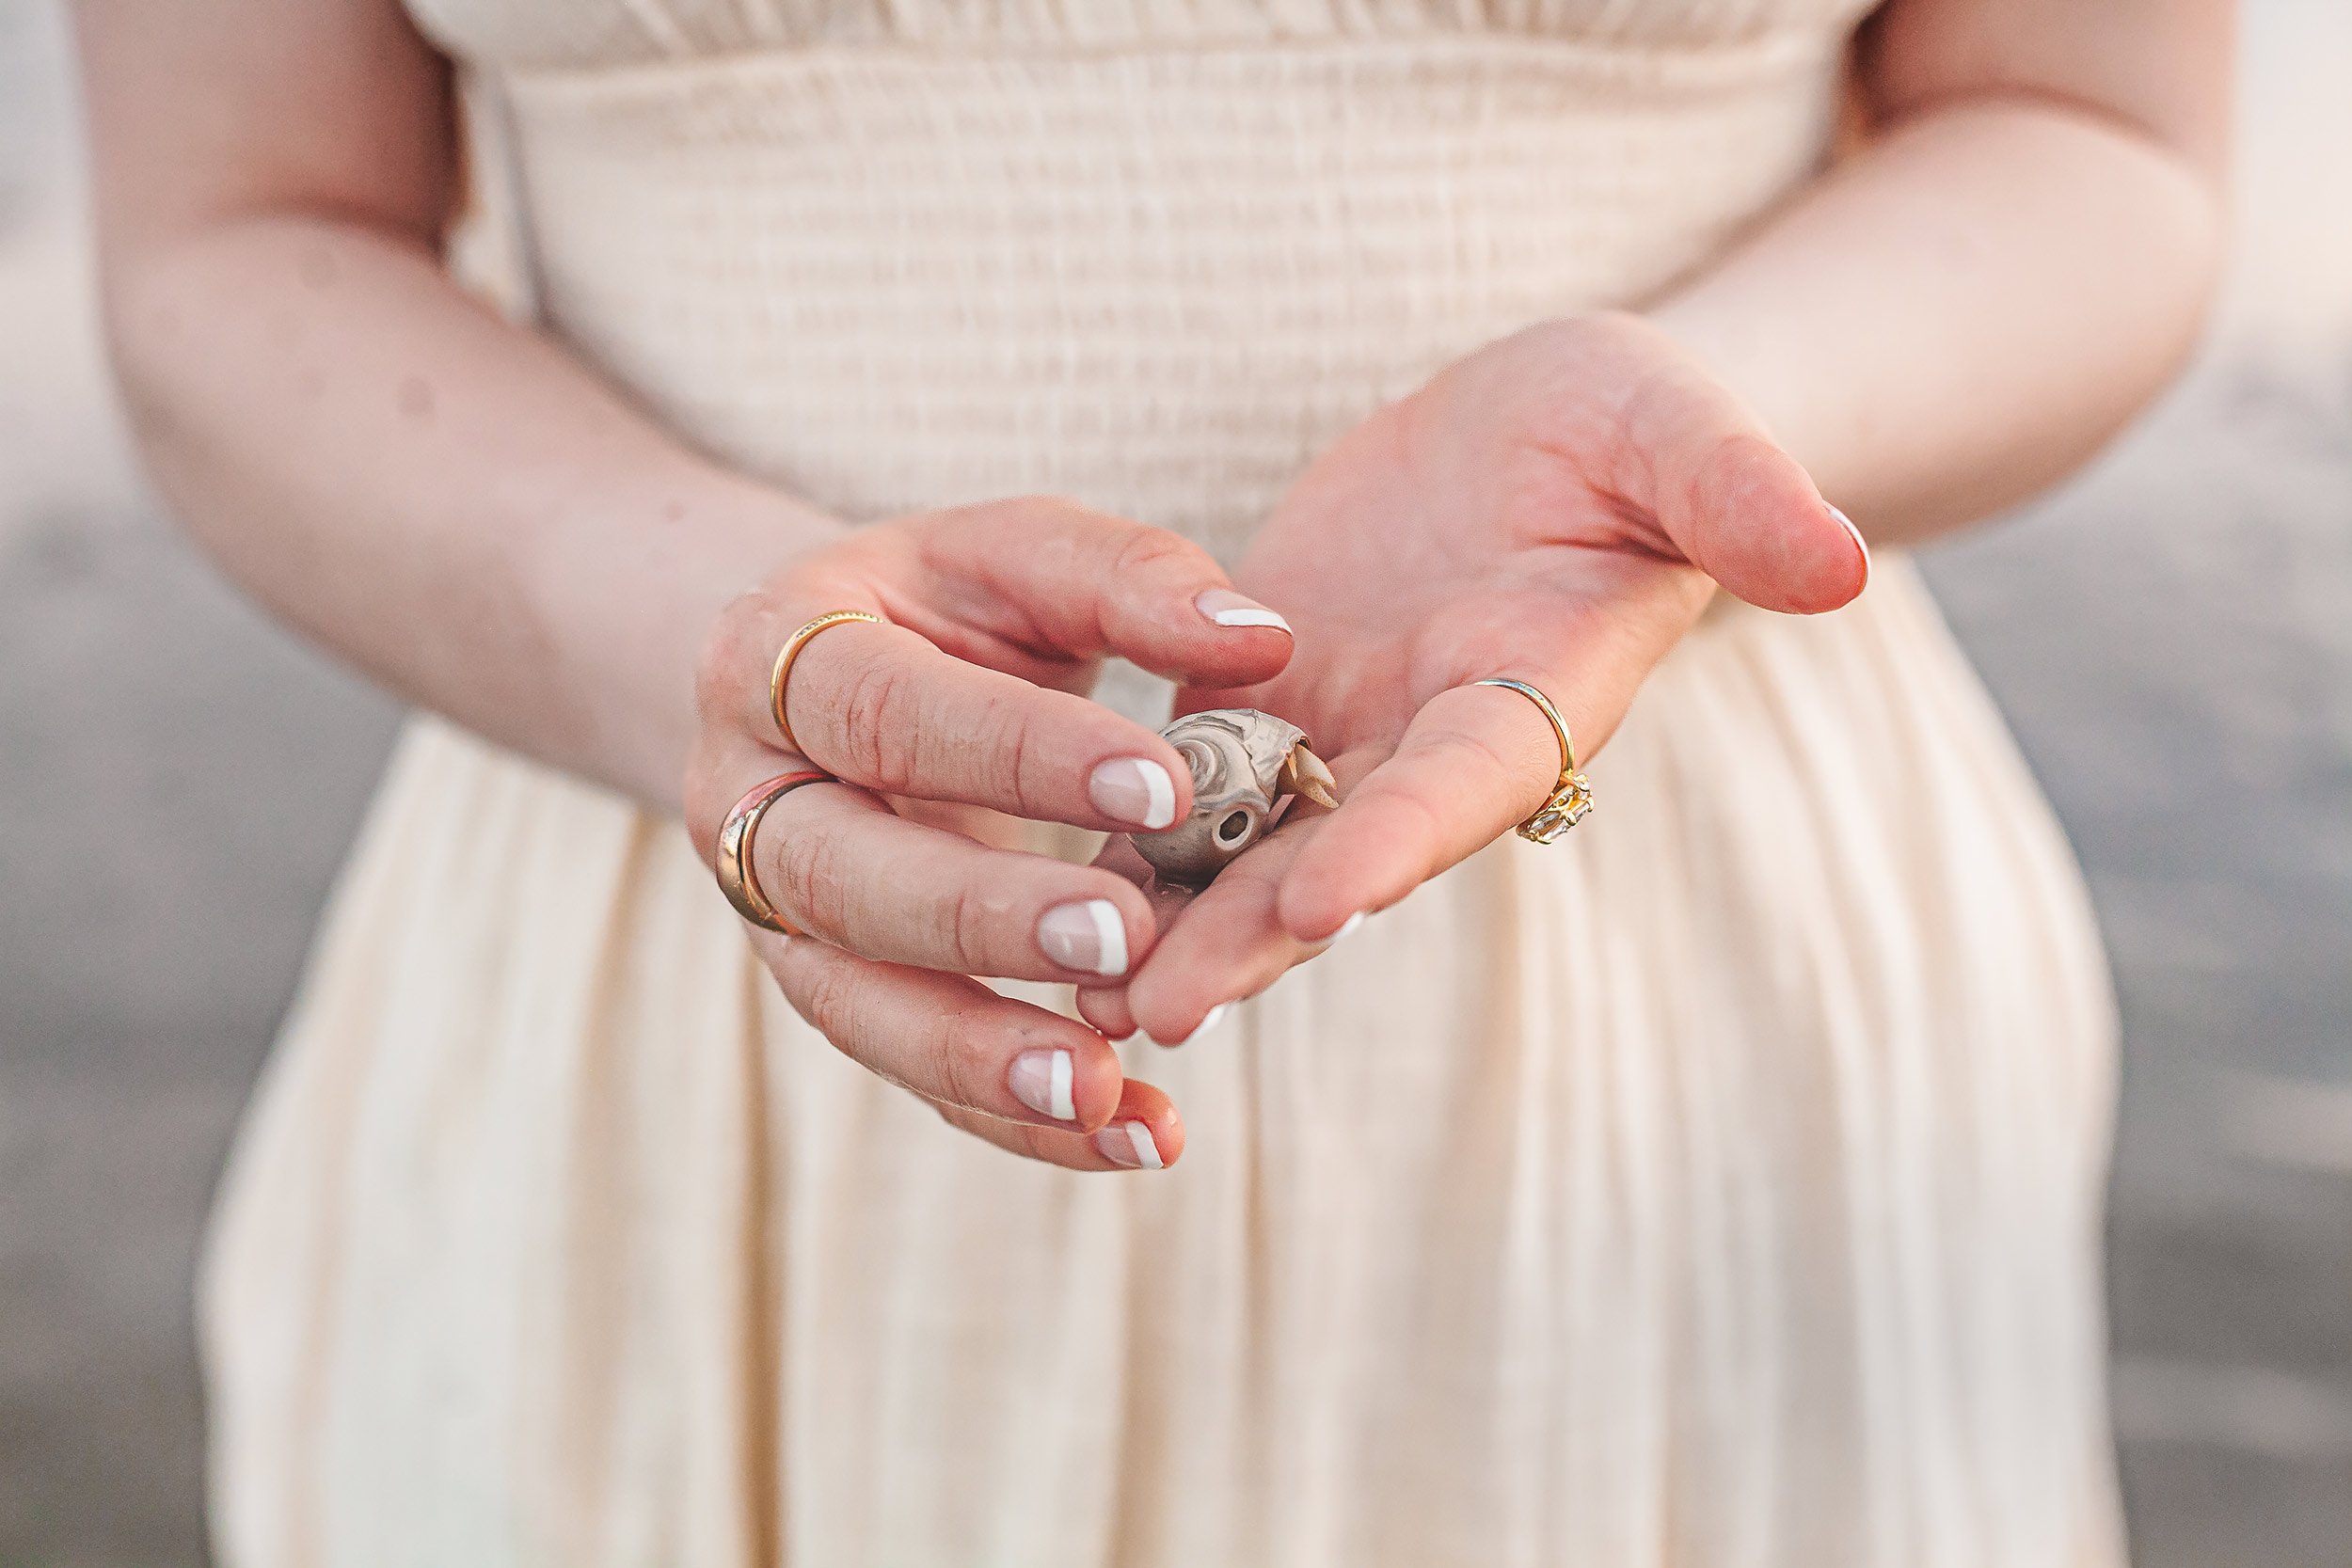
pixel 1040 1081
pixel 1859 543
pixel 1134 789
pixel 1088 936
pixel 1347 928
pixel 1215 1016
pixel 1129 1144
pixel 1229 608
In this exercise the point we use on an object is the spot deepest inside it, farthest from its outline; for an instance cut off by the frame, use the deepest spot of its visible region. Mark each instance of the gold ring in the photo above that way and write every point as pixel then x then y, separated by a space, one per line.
pixel 782 675
pixel 737 880
pixel 1572 796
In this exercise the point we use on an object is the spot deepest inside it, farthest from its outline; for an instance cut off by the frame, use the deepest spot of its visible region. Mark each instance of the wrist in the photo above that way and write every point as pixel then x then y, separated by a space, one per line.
pixel 667 560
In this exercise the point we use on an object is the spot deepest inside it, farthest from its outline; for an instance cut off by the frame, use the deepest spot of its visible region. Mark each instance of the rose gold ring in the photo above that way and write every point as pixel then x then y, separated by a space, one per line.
pixel 737 880
pixel 782 674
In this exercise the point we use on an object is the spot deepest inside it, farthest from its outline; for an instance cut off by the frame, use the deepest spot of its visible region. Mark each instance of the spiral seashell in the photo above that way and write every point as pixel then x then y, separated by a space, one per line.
pixel 1243 762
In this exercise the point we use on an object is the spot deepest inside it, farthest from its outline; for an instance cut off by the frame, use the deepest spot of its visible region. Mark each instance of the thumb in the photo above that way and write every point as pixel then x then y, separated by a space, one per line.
pixel 1734 503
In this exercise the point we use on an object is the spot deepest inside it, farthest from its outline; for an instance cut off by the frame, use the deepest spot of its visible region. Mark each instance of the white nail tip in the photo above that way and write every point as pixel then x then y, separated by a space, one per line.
pixel 1860 542
pixel 1111 937
pixel 1347 926
pixel 1161 809
pixel 1041 1080
pixel 1215 1016
pixel 1147 1149
pixel 1250 618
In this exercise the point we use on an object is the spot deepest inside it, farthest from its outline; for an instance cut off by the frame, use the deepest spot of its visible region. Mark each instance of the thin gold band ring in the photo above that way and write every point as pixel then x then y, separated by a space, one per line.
pixel 1570 798
pixel 738 879
pixel 781 675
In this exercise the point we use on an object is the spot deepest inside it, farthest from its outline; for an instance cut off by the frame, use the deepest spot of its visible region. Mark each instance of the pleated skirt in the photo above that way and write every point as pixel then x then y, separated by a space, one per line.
pixel 1721 1185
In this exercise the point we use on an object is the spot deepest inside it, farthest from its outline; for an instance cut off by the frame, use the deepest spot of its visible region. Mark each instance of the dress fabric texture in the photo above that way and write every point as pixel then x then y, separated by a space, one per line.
pixel 1719 1186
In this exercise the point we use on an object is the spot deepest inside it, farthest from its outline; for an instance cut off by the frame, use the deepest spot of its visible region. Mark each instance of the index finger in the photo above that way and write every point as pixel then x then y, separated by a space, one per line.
pixel 1475 760
pixel 1042 577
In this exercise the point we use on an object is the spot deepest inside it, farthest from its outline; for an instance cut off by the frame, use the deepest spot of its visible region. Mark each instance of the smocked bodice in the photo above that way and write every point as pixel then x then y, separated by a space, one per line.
pixel 561 33
pixel 1153 254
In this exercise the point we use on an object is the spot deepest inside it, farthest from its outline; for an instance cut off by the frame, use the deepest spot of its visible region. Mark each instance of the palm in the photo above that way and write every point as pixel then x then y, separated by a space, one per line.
pixel 1556 508
pixel 1470 530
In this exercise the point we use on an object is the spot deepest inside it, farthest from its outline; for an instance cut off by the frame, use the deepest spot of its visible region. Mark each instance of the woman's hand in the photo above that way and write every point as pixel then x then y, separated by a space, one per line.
pixel 966 702
pixel 1556 508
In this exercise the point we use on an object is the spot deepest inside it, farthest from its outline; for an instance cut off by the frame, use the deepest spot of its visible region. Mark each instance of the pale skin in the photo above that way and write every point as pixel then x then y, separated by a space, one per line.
pixel 2011 257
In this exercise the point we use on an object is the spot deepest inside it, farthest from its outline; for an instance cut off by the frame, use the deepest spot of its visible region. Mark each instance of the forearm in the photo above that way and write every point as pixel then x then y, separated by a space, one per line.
pixel 449 501
pixel 1962 312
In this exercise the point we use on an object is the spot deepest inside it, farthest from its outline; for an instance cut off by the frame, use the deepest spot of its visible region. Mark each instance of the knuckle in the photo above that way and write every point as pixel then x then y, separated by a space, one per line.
pixel 1731 463
pixel 963 928
pixel 964 1056
pixel 875 718
pixel 1139 551
pixel 1064 509
pixel 812 880
pixel 1015 767
pixel 1022 519
pixel 828 998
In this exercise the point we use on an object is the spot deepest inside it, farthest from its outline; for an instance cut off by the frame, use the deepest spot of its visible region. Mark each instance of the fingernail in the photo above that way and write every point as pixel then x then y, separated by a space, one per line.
pixel 1129 1144
pixel 1090 936
pixel 1859 543
pixel 1347 928
pixel 1040 1081
pixel 1200 1028
pixel 1229 608
pixel 1134 789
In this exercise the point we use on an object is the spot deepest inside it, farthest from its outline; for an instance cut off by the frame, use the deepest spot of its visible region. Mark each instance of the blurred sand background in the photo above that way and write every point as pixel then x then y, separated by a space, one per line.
pixel 2171 637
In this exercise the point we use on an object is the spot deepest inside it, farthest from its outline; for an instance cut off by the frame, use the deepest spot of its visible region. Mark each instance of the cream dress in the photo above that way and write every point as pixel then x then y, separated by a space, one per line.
pixel 1720 1186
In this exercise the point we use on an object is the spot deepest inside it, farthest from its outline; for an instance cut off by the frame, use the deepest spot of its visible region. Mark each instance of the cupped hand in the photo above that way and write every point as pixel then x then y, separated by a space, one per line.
pixel 965 702
pixel 1557 508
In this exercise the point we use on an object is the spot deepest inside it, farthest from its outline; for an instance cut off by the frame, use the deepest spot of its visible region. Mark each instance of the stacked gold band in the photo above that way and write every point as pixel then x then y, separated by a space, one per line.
pixel 738 879
pixel 1572 796
pixel 782 674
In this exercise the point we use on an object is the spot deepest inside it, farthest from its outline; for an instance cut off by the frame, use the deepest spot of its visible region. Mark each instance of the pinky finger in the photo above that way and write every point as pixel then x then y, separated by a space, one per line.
pixel 950 1039
pixel 1144 1134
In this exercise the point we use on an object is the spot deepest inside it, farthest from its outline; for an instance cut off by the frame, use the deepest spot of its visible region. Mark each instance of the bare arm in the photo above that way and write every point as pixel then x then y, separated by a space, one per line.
pixel 2016 261
pixel 2012 262
pixel 451 502
pixel 467 513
